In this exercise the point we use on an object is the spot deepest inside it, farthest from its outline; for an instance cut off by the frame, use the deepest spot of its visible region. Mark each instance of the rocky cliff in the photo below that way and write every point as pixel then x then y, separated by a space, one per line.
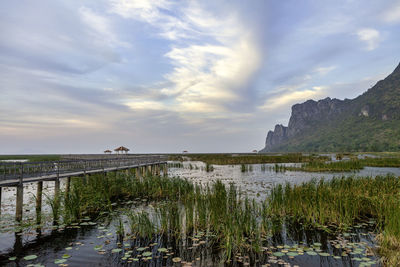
pixel 331 124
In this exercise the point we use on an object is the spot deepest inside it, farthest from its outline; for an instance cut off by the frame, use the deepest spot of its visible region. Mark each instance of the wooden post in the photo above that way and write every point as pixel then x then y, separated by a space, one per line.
pixel 39 202
pixel 0 199
pixel 165 170
pixel 149 170
pixel 20 197
pixel 57 195
pixel 158 169
pixel 138 173
pixel 67 186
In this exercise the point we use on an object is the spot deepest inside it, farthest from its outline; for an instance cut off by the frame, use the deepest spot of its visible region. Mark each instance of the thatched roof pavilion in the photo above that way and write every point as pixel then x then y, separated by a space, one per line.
pixel 121 149
pixel 108 151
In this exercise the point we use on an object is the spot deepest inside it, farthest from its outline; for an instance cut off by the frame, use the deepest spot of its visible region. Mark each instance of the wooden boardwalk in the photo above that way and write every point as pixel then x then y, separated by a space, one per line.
pixel 15 173
pixel 18 173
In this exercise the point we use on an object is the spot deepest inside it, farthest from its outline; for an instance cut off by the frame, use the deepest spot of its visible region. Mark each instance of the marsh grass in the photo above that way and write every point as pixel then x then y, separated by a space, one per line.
pixel 340 203
pixel 229 159
pixel 322 166
pixel 231 221
pixel 381 162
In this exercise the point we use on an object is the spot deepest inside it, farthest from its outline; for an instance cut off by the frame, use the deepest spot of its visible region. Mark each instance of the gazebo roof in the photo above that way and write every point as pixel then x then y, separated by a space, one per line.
pixel 107 151
pixel 121 148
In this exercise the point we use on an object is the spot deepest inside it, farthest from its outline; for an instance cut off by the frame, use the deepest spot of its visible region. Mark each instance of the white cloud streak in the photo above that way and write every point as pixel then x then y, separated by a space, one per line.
pixel 213 57
pixel 370 36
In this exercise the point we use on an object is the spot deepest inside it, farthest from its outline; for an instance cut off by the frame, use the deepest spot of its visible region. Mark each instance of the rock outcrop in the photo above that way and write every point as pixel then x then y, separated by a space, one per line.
pixel 331 118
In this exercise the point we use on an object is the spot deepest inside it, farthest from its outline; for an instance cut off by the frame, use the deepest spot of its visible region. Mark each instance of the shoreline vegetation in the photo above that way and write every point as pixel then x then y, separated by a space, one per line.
pixel 232 222
pixel 309 163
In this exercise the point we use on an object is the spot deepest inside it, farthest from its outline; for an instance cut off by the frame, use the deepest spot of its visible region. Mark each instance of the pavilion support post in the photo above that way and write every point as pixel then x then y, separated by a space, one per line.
pixel 39 202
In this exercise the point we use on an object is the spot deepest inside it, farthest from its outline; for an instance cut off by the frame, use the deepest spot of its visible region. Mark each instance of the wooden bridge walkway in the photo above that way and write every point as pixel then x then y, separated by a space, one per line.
pixel 18 173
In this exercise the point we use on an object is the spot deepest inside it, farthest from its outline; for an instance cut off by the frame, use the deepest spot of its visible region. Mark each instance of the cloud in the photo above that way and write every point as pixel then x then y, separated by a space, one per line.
pixel 370 36
pixel 392 15
pixel 213 57
pixel 290 97
pixel 100 28
pixel 324 70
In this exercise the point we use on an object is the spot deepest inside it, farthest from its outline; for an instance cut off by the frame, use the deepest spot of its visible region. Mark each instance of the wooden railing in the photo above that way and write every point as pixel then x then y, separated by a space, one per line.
pixel 21 170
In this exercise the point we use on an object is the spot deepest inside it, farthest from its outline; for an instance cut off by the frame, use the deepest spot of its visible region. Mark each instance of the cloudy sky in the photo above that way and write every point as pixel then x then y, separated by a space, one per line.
pixel 166 76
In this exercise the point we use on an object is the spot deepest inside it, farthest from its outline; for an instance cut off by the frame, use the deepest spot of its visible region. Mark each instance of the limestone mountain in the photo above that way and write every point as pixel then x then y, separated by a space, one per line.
pixel 369 122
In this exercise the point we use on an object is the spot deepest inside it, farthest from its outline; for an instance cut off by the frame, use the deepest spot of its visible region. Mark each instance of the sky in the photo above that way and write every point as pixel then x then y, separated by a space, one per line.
pixel 166 76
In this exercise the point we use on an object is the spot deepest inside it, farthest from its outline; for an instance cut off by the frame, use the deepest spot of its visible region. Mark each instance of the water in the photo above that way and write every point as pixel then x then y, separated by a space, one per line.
pixel 78 242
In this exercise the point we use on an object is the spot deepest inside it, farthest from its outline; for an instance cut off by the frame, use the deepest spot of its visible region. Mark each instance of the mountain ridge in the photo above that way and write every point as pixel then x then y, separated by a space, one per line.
pixel 369 122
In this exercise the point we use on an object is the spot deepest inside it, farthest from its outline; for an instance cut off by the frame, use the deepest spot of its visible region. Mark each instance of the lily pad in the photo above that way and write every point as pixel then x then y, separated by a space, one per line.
pixel 324 254
pixel 278 254
pixel 66 256
pixel 30 257
pixel 162 250
pixel 147 254
pixel 312 253
pixel 98 247
pixel 141 249
pixel 12 258
pixel 60 261
pixel 293 254
pixel 116 250
pixel 176 259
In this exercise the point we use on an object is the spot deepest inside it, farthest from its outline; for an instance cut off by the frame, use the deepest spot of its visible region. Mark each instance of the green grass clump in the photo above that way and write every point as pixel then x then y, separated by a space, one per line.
pixel 322 166
pixel 340 203
pixel 381 162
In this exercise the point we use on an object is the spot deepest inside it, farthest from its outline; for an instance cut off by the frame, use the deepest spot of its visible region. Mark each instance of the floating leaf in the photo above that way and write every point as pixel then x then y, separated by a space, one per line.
pixel 66 256
pixel 293 254
pixel 30 257
pixel 12 258
pixel 312 253
pixel 141 249
pixel 278 254
pixel 147 254
pixel 60 261
pixel 68 248
pixel 162 250
pixel 98 247
pixel 176 259
pixel 324 254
